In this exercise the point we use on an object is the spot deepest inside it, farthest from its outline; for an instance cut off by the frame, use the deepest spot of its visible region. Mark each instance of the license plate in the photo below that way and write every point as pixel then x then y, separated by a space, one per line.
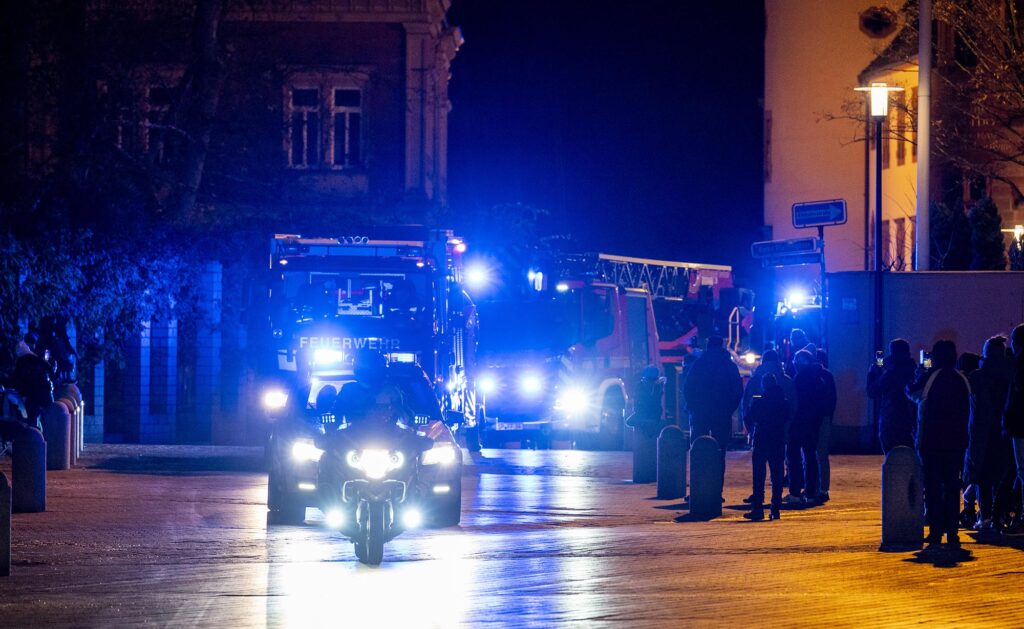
pixel 508 426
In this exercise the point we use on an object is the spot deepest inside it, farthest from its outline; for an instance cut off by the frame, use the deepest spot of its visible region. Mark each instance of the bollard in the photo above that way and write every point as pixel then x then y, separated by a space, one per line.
pixel 74 411
pixel 706 478
pixel 57 433
pixel 645 457
pixel 5 526
pixel 28 472
pixel 71 392
pixel 902 499
pixel 671 463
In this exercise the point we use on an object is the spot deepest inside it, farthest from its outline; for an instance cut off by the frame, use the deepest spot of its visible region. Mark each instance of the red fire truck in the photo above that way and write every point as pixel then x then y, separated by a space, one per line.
pixel 562 364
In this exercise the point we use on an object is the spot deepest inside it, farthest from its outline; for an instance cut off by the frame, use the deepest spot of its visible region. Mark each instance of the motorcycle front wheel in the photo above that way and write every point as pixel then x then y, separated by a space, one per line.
pixel 376 527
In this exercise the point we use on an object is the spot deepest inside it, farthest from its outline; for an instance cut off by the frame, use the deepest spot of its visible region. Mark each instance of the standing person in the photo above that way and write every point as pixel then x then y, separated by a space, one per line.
pixel 713 390
pixel 797 341
pixel 31 378
pixel 988 450
pixel 825 433
pixel 770 364
pixel 802 450
pixel 887 384
pixel 1013 419
pixel 647 402
pixel 766 422
pixel 943 398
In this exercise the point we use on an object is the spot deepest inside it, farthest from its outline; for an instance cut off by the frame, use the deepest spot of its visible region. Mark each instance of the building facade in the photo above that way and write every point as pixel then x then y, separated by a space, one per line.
pixel 334 108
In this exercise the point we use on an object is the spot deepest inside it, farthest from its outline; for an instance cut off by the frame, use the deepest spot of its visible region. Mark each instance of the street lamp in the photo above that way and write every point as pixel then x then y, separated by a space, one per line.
pixel 878 101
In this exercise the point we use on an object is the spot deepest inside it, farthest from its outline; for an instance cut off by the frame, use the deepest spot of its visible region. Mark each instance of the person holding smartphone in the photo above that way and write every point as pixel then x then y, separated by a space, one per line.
pixel 887 380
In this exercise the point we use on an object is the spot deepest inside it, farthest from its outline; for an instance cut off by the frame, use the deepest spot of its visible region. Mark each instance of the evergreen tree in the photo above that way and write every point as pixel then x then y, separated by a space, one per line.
pixel 951 237
pixel 988 253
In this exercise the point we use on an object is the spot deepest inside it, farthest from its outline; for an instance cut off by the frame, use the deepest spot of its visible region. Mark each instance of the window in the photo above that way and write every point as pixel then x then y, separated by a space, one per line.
pixel 324 122
pixel 345 134
pixel 901 128
pixel 886 243
pixel 304 129
pixel 913 108
pixel 901 245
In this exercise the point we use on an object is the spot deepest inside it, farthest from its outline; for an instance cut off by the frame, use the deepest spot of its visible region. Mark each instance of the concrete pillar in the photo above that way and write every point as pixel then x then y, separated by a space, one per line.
pixel 28 472
pixel 57 434
pixel 208 356
pixel 5 526
pixel 671 463
pixel 645 457
pixel 902 499
pixel 707 475
pixel 93 429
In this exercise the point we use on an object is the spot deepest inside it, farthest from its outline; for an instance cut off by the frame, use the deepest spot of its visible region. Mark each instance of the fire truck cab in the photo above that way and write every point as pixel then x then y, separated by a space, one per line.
pixel 395 290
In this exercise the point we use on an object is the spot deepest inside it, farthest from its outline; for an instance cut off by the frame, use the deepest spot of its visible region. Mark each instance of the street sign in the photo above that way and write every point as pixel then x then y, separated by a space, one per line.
pixel 819 213
pixel 793 246
pixel 792 260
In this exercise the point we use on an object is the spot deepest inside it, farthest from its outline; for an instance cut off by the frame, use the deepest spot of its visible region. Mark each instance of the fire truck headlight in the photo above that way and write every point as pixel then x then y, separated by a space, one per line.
pixel 274 399
pixel 530 384
pixel 477 276
pixel 572 401
pixel 487 384
pixel 442 454
pixel 328 356
pixel 304 450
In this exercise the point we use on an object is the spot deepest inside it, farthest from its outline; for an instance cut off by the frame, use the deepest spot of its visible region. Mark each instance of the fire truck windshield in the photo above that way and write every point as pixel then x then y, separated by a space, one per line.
pixel 542 325
pixel 330 294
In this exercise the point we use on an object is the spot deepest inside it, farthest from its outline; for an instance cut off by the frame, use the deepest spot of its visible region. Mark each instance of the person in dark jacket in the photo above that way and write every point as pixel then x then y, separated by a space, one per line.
pixel 648 403
pixel 31 379
pixel 943 398
pixel 825 433
pixel 1013 418
pixel 770 364
pixel 766 422
pixel 812 399
pixel 887 384
pixel 988 452
pixel 713 390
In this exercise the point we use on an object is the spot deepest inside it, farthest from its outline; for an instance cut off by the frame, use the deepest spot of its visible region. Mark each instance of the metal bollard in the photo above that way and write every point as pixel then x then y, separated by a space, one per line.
pixel 5 526
pixel 28 472
pixel 902 499
pixel 72 392
pixel 671 463
pixel 645 457
pixel 74 427
pixel 57 433
pixel 707 475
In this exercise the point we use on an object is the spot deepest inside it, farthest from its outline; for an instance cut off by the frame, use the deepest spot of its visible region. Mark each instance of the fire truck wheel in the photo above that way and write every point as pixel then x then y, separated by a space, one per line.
pixel 283 507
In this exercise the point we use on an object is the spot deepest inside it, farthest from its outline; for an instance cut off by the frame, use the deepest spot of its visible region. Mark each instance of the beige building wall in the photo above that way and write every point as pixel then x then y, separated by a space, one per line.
pixel 814 51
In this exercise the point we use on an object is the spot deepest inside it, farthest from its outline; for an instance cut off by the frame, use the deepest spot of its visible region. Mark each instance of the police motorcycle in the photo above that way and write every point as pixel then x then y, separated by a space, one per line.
pixel 375 458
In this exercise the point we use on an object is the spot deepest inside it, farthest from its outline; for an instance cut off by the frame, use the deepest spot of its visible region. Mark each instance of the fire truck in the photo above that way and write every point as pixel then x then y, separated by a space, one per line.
pixel 396 290
pixel 562 364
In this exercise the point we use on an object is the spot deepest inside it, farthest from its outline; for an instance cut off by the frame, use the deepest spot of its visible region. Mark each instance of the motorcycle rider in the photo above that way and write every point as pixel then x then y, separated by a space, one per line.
pixel 31 378
pixel 648 395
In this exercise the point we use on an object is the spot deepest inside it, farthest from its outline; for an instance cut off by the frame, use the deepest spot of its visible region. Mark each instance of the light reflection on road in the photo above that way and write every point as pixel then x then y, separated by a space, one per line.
pixel 433 578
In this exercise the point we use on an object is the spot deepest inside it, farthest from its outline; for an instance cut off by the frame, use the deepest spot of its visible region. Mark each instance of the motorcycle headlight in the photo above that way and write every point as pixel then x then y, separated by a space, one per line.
pixel 274 399
pixel 304 450
pixel 443 454
pixel 572 401
pixel 375 464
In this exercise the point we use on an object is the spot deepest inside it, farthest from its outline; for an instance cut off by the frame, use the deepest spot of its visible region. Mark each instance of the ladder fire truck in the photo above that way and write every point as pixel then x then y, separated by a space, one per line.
pixel 563 364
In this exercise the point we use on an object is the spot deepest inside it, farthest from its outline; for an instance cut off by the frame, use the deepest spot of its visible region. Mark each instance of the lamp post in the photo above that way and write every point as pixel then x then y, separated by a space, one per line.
pixel 878 101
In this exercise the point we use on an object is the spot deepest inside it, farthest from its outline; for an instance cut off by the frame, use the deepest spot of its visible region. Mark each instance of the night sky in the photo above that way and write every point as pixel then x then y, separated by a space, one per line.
pixel 636 124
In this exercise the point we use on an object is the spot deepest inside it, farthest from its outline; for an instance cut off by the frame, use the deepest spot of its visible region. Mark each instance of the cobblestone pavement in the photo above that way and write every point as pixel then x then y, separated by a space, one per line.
pixel 175 536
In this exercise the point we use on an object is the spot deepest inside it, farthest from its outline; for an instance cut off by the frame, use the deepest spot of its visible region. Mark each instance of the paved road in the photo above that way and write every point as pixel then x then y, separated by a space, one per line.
pixel 176 537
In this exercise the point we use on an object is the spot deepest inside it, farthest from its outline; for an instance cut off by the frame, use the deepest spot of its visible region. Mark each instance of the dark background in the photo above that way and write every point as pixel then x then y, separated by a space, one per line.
pixel 638 125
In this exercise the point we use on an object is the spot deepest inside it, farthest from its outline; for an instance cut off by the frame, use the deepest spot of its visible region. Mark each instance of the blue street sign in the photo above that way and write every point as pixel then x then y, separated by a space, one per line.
pixel 819 213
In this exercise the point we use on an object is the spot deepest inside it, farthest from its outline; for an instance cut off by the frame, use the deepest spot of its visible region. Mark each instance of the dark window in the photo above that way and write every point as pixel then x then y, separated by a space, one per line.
pixel 306 97
pixel 886 240
pixel 901 128
pixel 913 121
pixel 901 245
pixel 346 98
pixel 305 128
pixel 597 314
